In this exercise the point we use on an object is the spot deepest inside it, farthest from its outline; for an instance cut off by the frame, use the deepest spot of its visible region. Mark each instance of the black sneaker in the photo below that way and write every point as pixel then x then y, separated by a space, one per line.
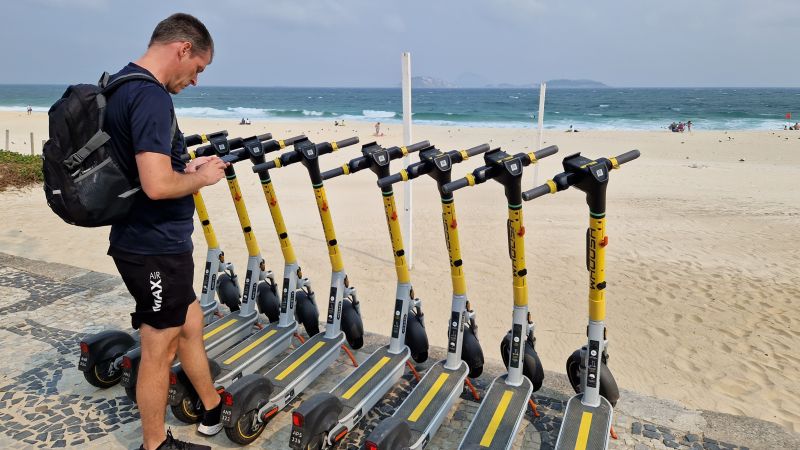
pixel 170 443
pixel 211 423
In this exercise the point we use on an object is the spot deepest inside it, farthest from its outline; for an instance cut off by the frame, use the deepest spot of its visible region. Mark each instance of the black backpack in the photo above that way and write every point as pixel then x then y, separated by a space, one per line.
pixel 83 184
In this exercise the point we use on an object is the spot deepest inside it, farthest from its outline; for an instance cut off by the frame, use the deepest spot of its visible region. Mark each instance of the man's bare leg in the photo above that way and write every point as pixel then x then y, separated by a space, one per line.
pixel 158 351
pixel 192 355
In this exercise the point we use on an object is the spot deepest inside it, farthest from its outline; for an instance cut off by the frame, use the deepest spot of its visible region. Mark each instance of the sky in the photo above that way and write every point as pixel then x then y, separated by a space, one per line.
pixel 358 43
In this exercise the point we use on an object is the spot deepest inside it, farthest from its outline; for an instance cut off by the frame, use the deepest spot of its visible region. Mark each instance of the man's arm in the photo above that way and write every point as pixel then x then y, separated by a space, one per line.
pixel 160 182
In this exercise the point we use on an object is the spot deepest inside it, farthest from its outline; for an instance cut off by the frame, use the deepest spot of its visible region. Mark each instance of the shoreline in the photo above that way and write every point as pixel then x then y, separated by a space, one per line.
pixel 700 286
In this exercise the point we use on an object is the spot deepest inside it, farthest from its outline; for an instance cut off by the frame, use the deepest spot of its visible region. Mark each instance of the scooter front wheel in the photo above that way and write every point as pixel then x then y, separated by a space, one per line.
pixel 268 302
pixel 306 312
pixel 352 325
pixel 608 385
pixel 228 292
pixel 246 429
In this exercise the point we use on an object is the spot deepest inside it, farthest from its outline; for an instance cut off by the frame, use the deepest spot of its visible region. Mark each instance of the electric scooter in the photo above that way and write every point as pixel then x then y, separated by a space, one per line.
pixel 325 418
pixel 587 419
pixel 261 347
pixel 101 353
pixel 259 284
pixel 253 400
pixel 495 424
pixel 419 417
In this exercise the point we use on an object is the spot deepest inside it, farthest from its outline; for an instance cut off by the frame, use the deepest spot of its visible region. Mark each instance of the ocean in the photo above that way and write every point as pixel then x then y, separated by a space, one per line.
pixel 584 109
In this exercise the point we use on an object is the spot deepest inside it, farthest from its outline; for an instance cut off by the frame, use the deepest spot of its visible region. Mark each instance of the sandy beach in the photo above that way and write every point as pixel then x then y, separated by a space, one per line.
pixel 702 270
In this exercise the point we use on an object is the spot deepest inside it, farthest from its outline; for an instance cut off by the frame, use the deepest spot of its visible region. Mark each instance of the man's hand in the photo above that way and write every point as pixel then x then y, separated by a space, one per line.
pixel 192 165
pixel 211 170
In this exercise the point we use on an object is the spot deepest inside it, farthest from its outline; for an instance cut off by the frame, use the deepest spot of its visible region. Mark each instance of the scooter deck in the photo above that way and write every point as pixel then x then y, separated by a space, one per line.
pixel 585 427
pixel 227 332
pixel 424 409
pixel 379 368
pixel 497 419
pixel 254 352
pixel 303 365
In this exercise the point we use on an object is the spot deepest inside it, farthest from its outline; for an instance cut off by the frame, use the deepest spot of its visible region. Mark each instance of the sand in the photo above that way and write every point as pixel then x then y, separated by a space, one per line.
pixel 702 266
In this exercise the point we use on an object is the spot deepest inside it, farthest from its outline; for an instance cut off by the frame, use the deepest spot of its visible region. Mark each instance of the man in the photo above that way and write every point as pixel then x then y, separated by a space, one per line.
pixel 152 248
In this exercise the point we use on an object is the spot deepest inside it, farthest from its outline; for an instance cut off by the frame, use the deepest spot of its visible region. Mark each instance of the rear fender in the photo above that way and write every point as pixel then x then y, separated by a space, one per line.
pixel 183 387
pixel 391 434
pixel 320 414
pixel 104 345
pixel 248 393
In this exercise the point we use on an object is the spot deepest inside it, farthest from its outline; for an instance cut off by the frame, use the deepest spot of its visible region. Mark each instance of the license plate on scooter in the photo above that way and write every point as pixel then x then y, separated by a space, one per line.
pixel 83 363
pixel 296 438
pixel 225 417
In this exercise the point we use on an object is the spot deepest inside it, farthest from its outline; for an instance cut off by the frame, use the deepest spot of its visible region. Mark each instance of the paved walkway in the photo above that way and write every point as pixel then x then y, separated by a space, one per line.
pixel 46 308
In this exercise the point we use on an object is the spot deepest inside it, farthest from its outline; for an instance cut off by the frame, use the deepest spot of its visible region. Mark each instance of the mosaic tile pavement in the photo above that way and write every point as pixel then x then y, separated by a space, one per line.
pixel 45 310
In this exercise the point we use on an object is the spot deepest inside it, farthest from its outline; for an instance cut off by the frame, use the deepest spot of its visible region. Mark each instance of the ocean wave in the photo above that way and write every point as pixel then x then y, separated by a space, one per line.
pixel 313 113
pixel 603 106
pixel 376 114
pixel 24 108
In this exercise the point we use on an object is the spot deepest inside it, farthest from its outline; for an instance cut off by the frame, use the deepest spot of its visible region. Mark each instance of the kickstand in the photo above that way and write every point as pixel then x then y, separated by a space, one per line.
pixel 613 433
pixel 532 404
pixel 350 354
pixel 472 389
pixel 413 370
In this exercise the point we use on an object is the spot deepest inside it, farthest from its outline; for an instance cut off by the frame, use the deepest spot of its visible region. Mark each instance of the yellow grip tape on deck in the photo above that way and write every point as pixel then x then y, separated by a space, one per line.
pixel 299 361
pixel 218 329
pixel 583 431
pixel 497 417
pixel 244 351
pixel 367 376
pixel 437 386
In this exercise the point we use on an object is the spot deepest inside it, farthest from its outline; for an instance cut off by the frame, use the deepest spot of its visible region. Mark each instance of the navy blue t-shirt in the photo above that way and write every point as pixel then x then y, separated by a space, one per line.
pixel 139 118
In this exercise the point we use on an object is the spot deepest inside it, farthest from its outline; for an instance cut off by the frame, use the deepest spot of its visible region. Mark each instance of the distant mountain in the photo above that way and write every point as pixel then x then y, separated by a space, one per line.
pixel 575 84
pixel 430 83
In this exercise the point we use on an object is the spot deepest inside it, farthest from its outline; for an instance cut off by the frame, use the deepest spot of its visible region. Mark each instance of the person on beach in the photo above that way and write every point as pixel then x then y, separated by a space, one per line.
pixel 689 126
pixel 30 110
pixel 152 248
pixel 378 129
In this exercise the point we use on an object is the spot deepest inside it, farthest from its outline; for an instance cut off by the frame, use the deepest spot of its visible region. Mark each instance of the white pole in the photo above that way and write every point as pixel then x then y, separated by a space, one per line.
pixel 542 89
pixel 407 227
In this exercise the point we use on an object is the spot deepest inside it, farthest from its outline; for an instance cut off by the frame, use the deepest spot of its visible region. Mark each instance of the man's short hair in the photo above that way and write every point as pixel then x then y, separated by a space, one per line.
pixel 181 27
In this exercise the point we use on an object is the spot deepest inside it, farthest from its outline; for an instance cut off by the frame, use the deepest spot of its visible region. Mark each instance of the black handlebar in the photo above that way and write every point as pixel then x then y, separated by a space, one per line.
pixel 362 162
pixel 233 144
pixel 566 179
pixel 545 152
pixel 536 192
pixel 474 151
pixel 294 156
pixel 627 156
pixel 197 139
pixel 390 180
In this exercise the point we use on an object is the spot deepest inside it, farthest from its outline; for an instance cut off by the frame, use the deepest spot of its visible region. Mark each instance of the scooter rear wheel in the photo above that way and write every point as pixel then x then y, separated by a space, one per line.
pixel 243 431
pixel 608 385
pixel 187 410
pixel 102 374
pixel 227 292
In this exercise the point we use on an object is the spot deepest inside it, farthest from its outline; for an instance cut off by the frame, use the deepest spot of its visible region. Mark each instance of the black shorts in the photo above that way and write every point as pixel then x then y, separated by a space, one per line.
pixel 160 284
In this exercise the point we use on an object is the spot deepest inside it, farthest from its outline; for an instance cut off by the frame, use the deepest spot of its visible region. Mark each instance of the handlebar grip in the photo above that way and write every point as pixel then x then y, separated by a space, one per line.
pixel 417 147
pixel 455 185
pixel 627 156
pixel 197 139
pixel 231 158
pixel 545 152
pixel 344 143
pixel 335 172
pixel 536 192
pixel 390 180
pixel 293 139
pixel 477 150
pixel 264 166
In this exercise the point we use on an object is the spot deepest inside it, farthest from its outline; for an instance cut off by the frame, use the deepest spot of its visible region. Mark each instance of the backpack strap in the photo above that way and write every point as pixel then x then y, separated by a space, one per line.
pixel 100 138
